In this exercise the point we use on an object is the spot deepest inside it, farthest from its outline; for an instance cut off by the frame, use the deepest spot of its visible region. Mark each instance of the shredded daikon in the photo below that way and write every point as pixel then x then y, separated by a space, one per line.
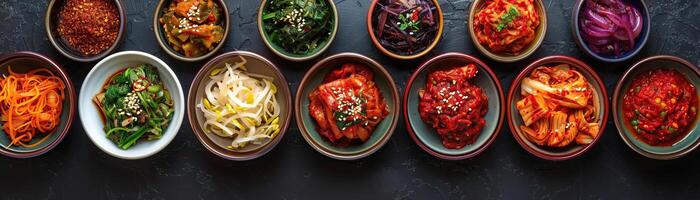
pixel 240 105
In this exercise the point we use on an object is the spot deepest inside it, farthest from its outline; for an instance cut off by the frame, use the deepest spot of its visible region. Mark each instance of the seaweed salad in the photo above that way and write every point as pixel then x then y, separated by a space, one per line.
pixel 135 105
pixel 299 27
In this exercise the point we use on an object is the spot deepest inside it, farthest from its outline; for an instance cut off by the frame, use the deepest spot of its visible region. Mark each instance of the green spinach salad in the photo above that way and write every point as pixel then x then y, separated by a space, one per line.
pixel 135 106
pixel 299 27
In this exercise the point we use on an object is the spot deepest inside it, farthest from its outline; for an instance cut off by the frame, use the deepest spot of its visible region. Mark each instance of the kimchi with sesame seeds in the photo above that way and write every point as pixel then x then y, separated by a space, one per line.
pixel 347 106
pixel 559 107
pixel 454 106
pixel 659 107
pixel 193 27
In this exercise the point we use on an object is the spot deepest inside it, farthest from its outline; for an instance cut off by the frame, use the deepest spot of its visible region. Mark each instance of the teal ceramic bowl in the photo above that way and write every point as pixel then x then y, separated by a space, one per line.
pixel 515 120
pixel 425 136
pixel 307 125
pixel 22 62
pixel 678 149
pixel 322 47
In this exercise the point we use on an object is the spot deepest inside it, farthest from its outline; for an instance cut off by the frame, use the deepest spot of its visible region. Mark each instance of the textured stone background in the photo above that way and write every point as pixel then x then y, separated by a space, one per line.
pixel 400 170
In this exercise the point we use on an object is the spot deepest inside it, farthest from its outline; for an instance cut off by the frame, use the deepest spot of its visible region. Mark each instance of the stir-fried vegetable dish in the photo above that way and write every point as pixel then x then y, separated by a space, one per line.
pixel 193 27
pixel 135 105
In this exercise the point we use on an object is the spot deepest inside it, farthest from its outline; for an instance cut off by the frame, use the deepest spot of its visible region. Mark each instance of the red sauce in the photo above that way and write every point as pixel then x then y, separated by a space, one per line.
pixel 660 106
pixel 454 106
pixel 347 106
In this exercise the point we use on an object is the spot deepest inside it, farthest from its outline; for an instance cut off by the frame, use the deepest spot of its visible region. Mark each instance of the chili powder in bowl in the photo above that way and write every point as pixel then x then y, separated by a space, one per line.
pixel 655 107
pixel 85 30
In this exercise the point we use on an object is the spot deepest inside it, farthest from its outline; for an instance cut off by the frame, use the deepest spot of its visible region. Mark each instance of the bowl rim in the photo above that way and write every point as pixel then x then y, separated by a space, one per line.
pixel 539 38
pixel 322 50
pixel 375 40
pixel 582 67
pixel 626 77
pixel 176 122
pixel 55 67
pixel 372 65
pixel 54 40
pixel 192 110
pixel 582 44
pixel 501 104
pixel 157 30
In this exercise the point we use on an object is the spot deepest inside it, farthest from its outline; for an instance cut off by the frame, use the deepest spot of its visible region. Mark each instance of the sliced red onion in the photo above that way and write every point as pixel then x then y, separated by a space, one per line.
pixel 610 27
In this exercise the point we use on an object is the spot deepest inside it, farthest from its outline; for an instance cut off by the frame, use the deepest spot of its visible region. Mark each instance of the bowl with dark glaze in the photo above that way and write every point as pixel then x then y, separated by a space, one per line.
pixel 255 64
pixel 22 62
pixel 166 45
pixel 684 144
pixel 51 19
pixel 308 126
pixel 638 45
pixel 572 150
pixel 425 136
pixel 539 34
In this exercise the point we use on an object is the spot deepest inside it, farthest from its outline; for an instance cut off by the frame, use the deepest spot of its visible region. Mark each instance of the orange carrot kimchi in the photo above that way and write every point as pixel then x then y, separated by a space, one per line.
pixel 30 104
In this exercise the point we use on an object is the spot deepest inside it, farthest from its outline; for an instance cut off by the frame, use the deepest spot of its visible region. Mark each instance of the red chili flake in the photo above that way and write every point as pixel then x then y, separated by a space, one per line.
pixel 89 26
pixel 414 15
pixel 140 84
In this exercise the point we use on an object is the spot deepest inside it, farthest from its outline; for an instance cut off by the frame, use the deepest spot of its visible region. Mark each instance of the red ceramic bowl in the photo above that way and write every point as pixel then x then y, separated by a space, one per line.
pixel 425 136
pixel 515 120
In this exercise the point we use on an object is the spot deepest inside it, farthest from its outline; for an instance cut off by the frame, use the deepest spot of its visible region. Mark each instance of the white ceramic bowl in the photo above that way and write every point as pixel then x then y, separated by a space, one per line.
pixel 90 115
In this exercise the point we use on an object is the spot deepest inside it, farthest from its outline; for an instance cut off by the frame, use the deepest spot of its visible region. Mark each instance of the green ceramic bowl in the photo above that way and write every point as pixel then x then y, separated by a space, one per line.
pixel 680 148
pixel 425 136
pixel 307 125
pixel 22 62
pixel 297 57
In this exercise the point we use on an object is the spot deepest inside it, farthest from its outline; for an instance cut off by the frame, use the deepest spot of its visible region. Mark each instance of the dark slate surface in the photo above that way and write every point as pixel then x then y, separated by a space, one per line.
pixel 400 170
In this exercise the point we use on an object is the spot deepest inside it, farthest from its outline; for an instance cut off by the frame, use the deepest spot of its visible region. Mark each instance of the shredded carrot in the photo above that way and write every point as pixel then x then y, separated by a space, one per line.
pixel 30 104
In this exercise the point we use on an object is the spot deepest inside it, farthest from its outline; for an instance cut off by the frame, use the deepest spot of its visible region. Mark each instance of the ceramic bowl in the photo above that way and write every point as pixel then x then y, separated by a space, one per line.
pixel 375 40
pixel 678 149
pixel 91 117
pixel 307 125
pixel 540 33
pixel 639 43
pixel 288 55
pixel 163 42
pixel 425 136
pixel 51 22
pixel 256 64
pixel 515 120
pixel 22 62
